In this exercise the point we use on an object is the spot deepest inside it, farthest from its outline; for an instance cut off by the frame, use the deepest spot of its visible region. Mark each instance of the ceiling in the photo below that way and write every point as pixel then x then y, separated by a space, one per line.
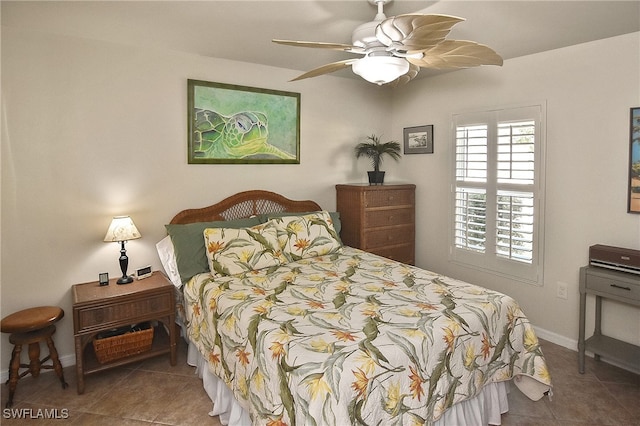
pixel 242 30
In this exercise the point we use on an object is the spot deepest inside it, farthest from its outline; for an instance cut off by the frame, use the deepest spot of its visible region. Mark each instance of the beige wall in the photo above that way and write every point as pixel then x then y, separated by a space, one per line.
pixel 588 90
pixel 92 129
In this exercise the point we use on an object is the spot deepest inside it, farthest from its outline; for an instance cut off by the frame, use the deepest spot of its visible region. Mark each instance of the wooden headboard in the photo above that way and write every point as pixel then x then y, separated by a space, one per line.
pixel 245 204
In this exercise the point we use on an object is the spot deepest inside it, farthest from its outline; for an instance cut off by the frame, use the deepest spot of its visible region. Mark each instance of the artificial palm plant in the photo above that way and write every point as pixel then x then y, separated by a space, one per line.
pixel 375 151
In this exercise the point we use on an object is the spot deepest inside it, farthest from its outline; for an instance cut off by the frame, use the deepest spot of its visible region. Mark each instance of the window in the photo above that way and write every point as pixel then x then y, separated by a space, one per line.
pixel 498 191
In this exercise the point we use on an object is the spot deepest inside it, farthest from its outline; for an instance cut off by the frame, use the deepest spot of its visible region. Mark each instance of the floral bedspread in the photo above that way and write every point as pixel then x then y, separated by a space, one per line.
pixel 359 337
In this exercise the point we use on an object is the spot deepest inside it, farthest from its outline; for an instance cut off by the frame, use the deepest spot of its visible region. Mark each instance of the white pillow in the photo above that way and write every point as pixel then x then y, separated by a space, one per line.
pixel 168 259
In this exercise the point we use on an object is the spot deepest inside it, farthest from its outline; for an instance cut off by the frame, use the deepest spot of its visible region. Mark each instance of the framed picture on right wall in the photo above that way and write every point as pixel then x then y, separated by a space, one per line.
pixel 634 161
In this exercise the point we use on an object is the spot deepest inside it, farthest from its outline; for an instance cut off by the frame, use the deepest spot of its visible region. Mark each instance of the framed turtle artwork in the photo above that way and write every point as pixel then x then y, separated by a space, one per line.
pixel 230 124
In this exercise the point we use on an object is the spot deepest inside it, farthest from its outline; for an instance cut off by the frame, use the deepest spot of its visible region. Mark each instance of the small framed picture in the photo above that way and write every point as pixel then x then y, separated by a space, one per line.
pixel 103 278
pixel 418 140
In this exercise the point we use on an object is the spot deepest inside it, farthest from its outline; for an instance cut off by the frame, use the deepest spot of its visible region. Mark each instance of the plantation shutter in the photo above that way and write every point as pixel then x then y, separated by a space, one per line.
pixel 497 195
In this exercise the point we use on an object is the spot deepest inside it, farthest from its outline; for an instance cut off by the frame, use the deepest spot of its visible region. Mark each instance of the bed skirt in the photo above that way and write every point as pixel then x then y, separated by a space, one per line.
pixel 484 409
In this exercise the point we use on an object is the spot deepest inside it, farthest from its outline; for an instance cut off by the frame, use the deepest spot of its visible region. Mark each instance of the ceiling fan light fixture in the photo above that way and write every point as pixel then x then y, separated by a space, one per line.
pixel 380 69
pixel 396 48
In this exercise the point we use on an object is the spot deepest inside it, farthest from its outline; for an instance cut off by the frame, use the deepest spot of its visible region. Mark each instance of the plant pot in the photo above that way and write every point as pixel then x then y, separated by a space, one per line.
pixel 376 178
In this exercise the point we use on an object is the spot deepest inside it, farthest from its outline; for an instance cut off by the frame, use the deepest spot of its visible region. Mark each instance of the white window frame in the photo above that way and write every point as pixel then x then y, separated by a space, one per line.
pixel 488 260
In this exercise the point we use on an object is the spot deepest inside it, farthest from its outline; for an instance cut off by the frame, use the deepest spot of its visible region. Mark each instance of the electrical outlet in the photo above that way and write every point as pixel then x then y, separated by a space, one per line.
pixel 561 290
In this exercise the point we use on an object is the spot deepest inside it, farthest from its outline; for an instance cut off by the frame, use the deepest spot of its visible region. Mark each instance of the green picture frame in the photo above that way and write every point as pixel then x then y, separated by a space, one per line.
pixel 231 124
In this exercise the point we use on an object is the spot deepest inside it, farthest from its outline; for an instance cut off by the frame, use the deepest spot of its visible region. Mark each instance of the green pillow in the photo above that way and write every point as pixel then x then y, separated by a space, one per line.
pixel 188 243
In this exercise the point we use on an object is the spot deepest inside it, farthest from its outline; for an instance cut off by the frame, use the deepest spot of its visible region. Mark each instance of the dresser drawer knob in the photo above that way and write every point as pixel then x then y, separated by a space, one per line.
pixel 620 287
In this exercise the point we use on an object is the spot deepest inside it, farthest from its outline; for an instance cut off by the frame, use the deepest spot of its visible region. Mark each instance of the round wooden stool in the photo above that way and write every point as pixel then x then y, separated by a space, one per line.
pixel 32 326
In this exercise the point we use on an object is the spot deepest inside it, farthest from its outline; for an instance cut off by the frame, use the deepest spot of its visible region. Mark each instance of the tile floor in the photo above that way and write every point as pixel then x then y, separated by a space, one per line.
pixel 154 393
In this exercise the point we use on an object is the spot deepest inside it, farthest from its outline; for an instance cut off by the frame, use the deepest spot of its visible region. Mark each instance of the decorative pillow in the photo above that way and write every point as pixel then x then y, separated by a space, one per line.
pixel 234 251
pixel 167 256
pixel 189 244
pixel 335 218
pixel 305 236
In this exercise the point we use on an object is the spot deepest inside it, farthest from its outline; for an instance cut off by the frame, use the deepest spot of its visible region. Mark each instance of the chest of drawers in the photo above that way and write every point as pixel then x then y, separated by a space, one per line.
pixel 379 219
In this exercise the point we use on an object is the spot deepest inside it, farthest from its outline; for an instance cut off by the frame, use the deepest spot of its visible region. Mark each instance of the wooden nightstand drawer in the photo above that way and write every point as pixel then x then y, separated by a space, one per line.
pixel 394 197
pixel 388 236
pixel 613 285
pixel 378 218
pixel 123 311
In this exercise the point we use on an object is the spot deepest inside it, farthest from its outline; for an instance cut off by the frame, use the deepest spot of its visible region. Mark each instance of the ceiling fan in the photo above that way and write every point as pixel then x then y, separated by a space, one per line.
pixel 396 48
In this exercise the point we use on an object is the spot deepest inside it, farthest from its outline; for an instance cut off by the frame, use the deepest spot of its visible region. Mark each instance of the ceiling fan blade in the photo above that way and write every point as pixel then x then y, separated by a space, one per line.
pixel 404 79
pixel 457 54
pixel 320 45
pixel 415 33
pixel 326 69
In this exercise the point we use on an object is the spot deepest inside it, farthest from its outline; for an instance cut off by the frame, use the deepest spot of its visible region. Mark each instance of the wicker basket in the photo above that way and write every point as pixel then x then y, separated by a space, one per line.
pixel 111 348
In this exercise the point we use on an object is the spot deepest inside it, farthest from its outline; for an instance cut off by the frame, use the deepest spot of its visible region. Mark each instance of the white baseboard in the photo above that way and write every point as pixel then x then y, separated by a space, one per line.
pixel 558 339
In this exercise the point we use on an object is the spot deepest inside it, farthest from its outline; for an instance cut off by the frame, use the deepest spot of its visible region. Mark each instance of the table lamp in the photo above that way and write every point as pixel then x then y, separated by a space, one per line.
pixel 122 229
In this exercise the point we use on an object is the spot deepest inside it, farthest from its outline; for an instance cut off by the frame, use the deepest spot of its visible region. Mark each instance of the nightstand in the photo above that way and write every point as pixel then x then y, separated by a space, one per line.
pixel 102 308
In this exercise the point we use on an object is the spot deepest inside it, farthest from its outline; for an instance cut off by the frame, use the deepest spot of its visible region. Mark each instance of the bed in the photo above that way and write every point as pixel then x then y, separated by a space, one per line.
pixel 287 326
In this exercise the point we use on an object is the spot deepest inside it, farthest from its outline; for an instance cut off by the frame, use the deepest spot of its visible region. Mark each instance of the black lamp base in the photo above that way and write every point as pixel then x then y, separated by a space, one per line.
pixel 125 280
pixel 124 263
